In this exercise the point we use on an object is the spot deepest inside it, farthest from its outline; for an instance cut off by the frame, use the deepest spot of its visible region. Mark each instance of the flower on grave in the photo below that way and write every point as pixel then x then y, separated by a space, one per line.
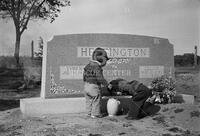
pixel 164 89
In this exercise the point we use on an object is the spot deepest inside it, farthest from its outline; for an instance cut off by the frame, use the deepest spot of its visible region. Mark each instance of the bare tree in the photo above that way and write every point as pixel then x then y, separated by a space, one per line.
pixel 22 11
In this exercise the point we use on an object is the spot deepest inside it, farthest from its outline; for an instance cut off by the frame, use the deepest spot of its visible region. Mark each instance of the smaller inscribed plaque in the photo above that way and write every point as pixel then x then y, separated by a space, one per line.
pixel 151 71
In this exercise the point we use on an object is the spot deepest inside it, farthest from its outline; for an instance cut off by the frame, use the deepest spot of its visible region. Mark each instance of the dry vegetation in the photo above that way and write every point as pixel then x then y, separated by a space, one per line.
pixel 188 80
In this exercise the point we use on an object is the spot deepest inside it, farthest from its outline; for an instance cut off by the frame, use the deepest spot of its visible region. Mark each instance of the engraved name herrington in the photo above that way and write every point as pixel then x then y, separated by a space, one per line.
pixel 115 52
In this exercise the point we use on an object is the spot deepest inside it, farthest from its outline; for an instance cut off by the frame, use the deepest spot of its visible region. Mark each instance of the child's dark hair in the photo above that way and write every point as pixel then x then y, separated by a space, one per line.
pixel 99 52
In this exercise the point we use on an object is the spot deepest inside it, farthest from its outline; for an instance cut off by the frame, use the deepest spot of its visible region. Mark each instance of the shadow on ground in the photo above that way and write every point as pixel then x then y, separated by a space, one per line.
pixel 149 110
pixel 9 104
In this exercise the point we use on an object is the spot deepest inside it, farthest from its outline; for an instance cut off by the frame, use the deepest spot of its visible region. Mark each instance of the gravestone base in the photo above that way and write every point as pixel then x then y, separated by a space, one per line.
pixel 40 106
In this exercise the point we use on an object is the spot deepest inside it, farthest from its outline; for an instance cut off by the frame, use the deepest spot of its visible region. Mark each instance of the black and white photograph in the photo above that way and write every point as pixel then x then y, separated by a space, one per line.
pixel 100 68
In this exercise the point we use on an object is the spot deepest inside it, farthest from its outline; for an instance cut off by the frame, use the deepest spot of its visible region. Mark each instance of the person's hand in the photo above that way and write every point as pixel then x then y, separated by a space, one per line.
pixel 150 87
pixel 119 93
pixel 151 99
pixel 109 86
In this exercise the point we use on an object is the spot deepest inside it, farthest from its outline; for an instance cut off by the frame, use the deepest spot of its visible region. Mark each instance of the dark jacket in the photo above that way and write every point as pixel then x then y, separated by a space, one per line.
pixel 93 73
pixel 121 85
pixel 135 88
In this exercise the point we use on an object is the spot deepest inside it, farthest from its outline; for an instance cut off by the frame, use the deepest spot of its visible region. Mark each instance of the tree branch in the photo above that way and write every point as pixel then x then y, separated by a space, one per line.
pixel 28 18
pixel 18 9
pixel 25 5
pixel 13 8
pixel 6 8
pixel 38 7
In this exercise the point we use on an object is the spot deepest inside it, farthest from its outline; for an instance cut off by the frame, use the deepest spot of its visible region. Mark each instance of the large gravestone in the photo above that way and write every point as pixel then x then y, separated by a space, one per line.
pixel 132 57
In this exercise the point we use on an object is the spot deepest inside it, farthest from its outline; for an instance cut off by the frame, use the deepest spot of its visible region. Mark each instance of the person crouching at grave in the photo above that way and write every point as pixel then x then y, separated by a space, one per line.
pixel 139 92
pixel 94 80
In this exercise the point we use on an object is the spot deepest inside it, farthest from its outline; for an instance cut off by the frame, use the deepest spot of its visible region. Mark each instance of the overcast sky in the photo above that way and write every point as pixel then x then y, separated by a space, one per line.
pixel 176 20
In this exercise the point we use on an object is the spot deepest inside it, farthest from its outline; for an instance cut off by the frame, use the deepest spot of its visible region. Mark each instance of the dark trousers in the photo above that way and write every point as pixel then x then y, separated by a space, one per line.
pixel 136 107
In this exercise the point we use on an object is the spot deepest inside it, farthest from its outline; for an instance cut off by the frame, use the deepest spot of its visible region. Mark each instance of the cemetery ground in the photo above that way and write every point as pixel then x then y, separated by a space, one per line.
pixel 176 119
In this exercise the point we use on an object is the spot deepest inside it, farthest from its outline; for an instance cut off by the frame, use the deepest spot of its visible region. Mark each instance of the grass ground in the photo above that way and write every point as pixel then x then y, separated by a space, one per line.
pixel 188 80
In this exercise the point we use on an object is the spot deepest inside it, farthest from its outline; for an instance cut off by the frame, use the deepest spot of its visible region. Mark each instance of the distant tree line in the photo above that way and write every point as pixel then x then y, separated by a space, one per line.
pixel 186 59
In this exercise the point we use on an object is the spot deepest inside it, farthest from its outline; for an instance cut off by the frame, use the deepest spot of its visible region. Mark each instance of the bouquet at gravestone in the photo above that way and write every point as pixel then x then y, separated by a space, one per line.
pixel 163 89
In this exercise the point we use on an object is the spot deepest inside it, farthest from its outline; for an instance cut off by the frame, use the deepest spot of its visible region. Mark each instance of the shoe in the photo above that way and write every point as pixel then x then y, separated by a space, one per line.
pixel 96 116
pixel 130 118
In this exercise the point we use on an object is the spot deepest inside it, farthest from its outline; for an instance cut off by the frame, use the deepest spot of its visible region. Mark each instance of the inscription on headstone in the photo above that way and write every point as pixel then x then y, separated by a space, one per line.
pixel 131 57
pixel 71 72
pixel 115 52
pixel 151 71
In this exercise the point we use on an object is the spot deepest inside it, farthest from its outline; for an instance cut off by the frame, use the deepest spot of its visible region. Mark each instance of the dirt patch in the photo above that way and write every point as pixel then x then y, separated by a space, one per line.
pixel 161 120
pixel 195 114
pixel 162 124
pixel 178 110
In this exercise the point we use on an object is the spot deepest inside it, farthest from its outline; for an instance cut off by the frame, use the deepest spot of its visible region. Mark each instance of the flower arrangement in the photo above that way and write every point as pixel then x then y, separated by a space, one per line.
pixel 164 89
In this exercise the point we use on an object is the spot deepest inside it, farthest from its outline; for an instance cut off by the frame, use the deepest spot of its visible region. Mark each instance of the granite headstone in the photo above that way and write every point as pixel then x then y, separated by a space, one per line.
pixel 132 57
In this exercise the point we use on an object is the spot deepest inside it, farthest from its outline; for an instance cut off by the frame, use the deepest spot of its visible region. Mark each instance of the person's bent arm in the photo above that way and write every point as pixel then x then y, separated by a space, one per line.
pixel 100 78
